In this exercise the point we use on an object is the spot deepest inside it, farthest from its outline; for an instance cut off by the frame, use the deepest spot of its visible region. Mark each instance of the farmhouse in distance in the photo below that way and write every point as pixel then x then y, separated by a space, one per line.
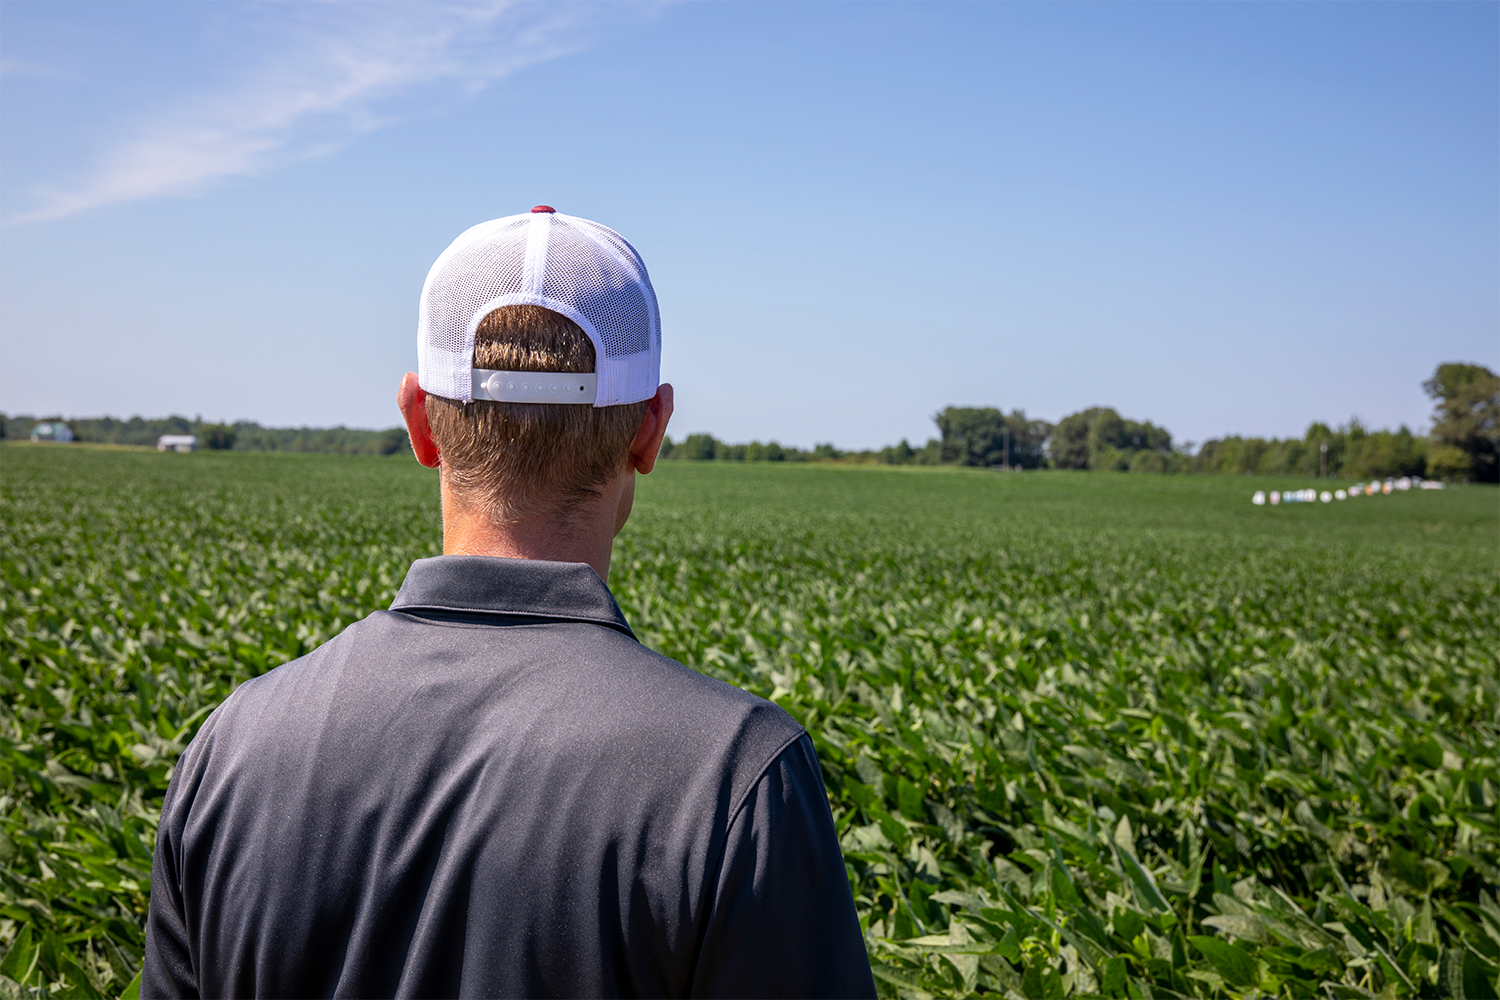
pixel 57 432
pixel 177 442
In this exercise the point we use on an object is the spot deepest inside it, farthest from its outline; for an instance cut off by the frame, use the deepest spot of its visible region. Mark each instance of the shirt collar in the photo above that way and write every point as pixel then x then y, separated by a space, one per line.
pixel 510 588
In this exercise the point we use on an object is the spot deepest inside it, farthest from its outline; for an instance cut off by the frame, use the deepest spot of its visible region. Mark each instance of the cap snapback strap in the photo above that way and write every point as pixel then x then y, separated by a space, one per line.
pixel 536 387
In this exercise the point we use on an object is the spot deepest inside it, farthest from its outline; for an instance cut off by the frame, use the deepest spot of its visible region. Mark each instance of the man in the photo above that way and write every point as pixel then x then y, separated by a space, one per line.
pixel 493 788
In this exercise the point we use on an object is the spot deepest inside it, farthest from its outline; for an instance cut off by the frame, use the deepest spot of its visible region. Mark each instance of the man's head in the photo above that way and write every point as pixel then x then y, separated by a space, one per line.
pixel 549 294
pixel 523 461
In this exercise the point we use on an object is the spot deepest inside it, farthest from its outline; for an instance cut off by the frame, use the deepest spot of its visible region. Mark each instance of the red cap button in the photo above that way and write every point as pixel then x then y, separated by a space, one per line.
pixel 544 208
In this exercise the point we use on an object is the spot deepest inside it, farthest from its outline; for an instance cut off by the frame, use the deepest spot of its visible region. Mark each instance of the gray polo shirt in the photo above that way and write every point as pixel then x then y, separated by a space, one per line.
pixel 492 789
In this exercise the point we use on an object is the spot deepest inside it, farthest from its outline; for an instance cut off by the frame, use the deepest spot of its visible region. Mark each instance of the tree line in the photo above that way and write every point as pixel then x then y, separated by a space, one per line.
pixel 1464 442
pixel 239 436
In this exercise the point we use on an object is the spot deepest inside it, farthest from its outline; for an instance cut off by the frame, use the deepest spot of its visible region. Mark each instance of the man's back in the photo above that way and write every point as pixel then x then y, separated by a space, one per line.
pixel 493 789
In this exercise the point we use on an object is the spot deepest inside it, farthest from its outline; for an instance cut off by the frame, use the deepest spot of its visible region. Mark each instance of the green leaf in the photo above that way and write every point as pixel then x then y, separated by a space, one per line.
pixel 909 801
pixel 1428 752
pixel 133 990
pixel 1062 888
pixel 1127 923
pixel 20 962
pixel 1010 945
pixel 1136 990
pixel 1247 928
pixel 1466 977
pixel 894 831
pixel 1041 981
pixel 1408 866
pixel 1115 978
pixel 1146 892
pixel 1237 968
pixel 909 982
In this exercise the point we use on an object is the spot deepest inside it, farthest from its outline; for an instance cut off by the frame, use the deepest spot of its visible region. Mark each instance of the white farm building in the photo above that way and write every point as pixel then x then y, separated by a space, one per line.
pixel 177 442
pixel 54 430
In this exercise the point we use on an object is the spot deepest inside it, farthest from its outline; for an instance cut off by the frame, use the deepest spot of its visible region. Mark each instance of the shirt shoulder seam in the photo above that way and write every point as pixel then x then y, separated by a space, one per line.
pixel 738 807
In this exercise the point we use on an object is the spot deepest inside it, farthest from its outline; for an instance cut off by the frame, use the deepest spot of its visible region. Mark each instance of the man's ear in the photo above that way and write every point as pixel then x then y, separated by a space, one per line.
pixel 653 428
pixel 412 400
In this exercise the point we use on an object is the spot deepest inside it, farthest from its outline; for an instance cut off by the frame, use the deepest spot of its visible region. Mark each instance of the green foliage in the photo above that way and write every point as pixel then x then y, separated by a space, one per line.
pixel 219 437
pixel 1449 463
pixel 984 436
pixel 1099 438
pixel 1353 453
pixel 1379 453
pixel 393 440
pixel 707 448
pixel 901 453
pixel 1467 419
pixel 697 448
pixel 1120 736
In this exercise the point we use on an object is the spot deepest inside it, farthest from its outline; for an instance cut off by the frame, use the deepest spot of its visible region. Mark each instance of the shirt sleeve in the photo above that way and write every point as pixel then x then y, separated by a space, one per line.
pixel 783 921
pixel 168 968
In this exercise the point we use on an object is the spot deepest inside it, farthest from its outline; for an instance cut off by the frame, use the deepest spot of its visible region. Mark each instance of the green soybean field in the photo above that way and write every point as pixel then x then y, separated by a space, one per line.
pixel 1084 734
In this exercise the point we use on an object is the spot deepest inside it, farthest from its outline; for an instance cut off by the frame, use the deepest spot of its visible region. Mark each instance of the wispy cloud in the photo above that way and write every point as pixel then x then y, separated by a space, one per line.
pixel 22 68
pixel 330 73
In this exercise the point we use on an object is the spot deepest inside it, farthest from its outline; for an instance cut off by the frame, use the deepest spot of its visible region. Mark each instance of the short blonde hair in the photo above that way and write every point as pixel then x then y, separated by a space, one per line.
pixel 520 461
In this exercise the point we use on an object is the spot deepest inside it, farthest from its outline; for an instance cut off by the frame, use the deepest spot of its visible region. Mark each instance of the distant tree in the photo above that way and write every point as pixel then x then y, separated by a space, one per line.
pixel 1383 453
pixel 218 437
pixel 1257 455
pixel 825 452
pixel 1353 452
pixel 970 433
pixel 1099 438
pixel 1146 460
pixel 1070 440
pixel 1448 462
pixel 698 448
pixel 978 436
pixel 770 452
pixel 393 440
pixel 1319 435
pixel 898 454
pixel 1142 435
pixel 1317 431
pixel 707 448
pixel 1106 433
pixel 1467 419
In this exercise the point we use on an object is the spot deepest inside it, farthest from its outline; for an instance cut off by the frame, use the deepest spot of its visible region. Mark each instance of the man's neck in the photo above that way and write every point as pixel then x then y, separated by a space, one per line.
pixel 586 537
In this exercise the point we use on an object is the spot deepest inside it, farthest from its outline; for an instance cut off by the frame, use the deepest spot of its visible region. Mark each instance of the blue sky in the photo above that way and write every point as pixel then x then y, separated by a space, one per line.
pixel 1225 218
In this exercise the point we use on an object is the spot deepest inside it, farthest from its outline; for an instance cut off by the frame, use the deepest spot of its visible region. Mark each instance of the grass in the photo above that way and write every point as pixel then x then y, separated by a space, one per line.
pixel 1083 733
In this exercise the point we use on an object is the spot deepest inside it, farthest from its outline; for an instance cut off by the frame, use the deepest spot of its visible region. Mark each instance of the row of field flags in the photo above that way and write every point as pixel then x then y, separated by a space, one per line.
pixel 1373 488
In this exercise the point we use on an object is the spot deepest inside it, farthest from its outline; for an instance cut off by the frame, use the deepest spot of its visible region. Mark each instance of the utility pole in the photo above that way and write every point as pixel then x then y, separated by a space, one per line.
pixel 1323 460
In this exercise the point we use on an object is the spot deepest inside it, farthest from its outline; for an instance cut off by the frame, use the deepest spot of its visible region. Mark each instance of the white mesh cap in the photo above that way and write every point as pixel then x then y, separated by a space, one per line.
pixel 581 269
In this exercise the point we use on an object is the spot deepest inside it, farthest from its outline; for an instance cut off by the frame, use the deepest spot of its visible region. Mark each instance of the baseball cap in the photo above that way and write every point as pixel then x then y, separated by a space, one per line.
pixel 585 271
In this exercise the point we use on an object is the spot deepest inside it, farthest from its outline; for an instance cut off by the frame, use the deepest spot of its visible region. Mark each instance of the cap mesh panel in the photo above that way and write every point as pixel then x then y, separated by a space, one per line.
pixel 590 274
